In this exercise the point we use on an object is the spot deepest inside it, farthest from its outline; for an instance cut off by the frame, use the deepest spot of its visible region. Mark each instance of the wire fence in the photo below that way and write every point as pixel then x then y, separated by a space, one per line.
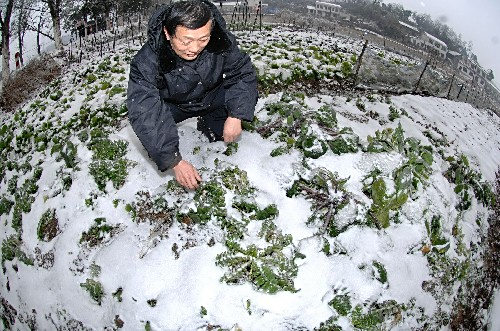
pixel 411 71
pixel 384 65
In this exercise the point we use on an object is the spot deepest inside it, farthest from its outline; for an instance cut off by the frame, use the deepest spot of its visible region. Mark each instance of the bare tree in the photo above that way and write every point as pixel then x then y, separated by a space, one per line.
pixel 55 14
pixel 41 26
pixel 5 15
pixel 22 16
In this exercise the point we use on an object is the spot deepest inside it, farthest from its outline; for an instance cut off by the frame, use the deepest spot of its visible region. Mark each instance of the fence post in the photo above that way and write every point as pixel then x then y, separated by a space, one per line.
pixel 359 63
pixel 460 91
pixel 71 48
pixel 233 15
pixel 421 75
pixel 245 14
pixel 451 84
pixel 259 13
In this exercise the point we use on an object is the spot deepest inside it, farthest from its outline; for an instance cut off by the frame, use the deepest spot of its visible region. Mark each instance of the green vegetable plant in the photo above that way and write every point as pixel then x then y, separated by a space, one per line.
pixel 24 197
pixel 328 196
pixel 11 249
pixel 97 233
pixel 109 162
pixel 393 113
pixel 367 316
pixel 209 204
pixel 383 204
pixel 118 294
pixel 344 141
pixel 416 169
pixel 95 289
pixel 269 269
pixel 341 304
pixel 434 231
pixel 468 182
pixel 387 140
pixel 5 205
pixel 231 149
pixel 417 166
pixel 379 272
pixel 290 123
pixel 48 226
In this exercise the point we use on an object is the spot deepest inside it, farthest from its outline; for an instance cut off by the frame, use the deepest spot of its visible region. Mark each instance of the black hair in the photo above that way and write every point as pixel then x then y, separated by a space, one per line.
pixel 192 14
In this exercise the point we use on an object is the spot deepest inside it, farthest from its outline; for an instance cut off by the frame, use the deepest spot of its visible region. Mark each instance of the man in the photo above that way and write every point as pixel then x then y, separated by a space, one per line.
pixel 190 67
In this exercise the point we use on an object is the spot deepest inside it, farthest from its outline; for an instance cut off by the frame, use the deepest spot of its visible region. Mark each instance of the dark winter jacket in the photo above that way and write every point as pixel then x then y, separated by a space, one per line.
pixel 160 81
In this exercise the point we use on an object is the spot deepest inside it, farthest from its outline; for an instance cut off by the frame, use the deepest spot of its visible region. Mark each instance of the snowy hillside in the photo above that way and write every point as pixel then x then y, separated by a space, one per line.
pixel 332 212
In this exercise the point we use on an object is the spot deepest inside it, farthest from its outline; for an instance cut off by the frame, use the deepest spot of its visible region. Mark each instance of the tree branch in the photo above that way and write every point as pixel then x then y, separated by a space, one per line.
pixel 31 28
pixel 31 9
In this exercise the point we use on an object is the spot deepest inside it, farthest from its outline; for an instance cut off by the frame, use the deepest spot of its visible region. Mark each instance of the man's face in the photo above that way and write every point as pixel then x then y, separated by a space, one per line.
pixel 188 43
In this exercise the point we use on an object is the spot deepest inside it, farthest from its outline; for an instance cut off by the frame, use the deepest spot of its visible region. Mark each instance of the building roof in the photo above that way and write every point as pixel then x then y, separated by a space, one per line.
pixel 311 7
pixel 435 39
pixel 329 4
pixel 408 26
pixel 234 3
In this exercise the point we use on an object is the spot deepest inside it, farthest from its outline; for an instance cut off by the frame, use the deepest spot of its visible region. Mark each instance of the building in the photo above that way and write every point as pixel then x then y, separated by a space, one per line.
pixel 228 7
pixel 472 71
pixel 431 44
pixel 327 9
pixel 408 29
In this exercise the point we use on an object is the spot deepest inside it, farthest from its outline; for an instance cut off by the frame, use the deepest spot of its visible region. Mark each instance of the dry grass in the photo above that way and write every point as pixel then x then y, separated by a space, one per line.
pixel 20 88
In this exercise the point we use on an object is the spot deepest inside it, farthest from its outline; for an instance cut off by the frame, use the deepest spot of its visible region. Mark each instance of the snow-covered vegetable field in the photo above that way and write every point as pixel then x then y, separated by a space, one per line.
pixel 331 212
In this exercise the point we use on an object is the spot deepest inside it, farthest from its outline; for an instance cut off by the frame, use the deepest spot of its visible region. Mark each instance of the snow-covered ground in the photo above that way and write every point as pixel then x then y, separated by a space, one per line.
pixel 495 312
pixel 132 255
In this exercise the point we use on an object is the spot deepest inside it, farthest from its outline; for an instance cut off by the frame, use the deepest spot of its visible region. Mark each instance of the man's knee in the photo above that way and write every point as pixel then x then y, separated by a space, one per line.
pixel 215 120
pixel 210 130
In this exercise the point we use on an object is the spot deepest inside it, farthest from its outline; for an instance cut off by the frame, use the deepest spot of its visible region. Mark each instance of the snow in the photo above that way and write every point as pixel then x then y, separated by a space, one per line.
pixel 183 285
pixel 435 39
pixel 495 312
pixel 470 129
pixel 408 26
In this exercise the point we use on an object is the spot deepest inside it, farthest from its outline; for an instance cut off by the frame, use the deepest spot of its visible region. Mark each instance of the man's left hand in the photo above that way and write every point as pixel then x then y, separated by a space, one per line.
pixel 232 129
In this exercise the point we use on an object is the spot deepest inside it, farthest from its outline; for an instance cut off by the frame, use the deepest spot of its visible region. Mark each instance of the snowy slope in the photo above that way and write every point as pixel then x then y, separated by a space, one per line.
pixel 140 252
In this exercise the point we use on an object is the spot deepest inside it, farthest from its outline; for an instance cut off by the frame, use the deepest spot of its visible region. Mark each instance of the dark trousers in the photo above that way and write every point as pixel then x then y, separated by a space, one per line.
pixel 213 120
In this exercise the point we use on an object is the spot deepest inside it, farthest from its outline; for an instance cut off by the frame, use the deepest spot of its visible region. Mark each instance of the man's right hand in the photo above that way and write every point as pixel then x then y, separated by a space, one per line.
pixel 187 175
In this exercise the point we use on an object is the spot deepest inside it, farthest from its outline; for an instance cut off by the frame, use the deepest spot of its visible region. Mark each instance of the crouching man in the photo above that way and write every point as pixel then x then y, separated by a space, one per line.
pixel 189 67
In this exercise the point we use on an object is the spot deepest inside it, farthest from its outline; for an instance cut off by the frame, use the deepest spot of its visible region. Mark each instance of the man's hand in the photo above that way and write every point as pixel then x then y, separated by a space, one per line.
pixel 187 175
pixel 232 129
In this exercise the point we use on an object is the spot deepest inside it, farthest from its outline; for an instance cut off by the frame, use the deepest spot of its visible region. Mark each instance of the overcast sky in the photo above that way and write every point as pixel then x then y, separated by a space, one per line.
pixel 476 20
